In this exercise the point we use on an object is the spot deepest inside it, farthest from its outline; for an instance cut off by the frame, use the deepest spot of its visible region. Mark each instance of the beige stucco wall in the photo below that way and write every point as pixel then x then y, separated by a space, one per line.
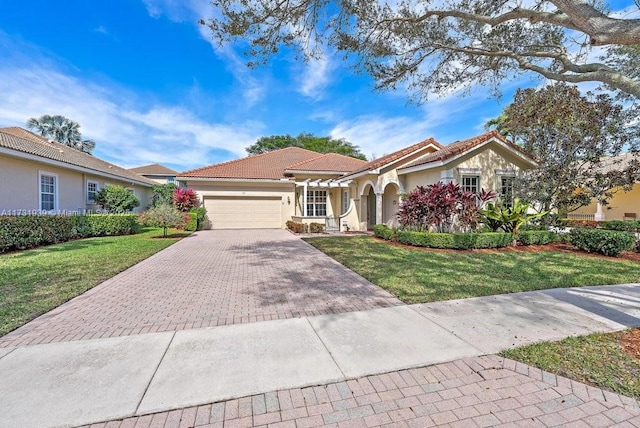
pixel 621 203
pixel 421 178
pixel 19 186
pixel 488 161
pixel 285 191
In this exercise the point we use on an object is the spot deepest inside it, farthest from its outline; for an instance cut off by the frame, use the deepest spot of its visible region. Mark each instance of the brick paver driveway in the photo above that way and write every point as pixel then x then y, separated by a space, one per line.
pixel 210 278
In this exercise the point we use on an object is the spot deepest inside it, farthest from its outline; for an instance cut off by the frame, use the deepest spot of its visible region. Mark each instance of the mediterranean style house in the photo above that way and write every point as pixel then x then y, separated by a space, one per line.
pixel 38 175
pixel 156 172
pixel 267 190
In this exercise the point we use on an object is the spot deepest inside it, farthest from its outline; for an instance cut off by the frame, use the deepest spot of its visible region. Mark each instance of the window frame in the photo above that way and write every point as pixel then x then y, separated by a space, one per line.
pixel 346 200
pixel 507 202
pixel 54 176
pixel 465 187
pixel 90 200
pixel 316 199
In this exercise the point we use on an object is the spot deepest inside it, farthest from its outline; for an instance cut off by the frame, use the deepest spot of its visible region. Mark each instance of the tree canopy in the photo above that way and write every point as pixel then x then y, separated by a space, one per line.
pixel 63 130
pixel 578 141
pixel 434 45
pixel 306 141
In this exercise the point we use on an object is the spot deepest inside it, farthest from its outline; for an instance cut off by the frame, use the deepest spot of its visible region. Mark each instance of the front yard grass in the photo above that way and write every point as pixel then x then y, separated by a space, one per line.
pixel 419 276
pixel 597 359
pixel 35 281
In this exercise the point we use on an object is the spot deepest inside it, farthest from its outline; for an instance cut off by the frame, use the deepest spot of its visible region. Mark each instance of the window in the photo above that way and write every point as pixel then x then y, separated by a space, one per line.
pixel 506 190
pixel 92 189
pixel 48 191
pixel 317 203
pixel 345 200
pixel 171 179
pixel 470 183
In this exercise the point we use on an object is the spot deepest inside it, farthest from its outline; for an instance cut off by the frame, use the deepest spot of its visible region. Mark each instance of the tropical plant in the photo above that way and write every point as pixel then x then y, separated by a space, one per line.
pixel 306 141
pixel 116 199
pixel 185 199
pixel 509 218
pixel 165 216
pixel 162 194
pixel 434 47
pixel 63 130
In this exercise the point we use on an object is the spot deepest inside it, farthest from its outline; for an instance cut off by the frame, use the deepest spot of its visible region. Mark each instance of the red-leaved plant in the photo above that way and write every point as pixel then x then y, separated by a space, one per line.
pixel 185 199
pixel 441 206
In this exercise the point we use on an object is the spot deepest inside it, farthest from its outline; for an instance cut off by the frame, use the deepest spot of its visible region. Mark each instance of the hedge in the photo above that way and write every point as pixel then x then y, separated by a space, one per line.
pixel 24 232
pixel 622 225
pixel 607 242
pixel 296 227
pixel 383 231
pixel 192 224
pixel 457 241
pixel 537 237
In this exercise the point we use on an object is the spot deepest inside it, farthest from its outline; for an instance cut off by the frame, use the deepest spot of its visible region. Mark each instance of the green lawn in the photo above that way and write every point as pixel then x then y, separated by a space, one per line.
pixel 597 359
pixel 35 281
pixel 418 276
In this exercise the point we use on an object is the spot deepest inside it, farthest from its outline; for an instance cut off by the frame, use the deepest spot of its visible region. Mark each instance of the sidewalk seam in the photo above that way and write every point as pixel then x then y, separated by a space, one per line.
pixel 344 377
pixel 146 389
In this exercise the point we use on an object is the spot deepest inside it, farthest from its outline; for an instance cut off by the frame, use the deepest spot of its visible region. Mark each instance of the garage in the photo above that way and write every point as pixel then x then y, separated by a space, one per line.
pixel 255 212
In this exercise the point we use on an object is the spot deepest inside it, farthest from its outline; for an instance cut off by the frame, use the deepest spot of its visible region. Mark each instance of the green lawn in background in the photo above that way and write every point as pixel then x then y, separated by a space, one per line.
pixel 418 276
pixel 35 281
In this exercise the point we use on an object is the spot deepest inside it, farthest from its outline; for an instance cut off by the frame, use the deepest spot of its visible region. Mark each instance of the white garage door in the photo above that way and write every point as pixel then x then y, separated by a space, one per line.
pixel 244 212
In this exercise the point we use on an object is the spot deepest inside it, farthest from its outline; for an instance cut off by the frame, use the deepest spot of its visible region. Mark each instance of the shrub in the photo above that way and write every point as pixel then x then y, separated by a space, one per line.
pixel 162 194
pixel 384 232
pixel 583 223
pixel 192 222
pixel 116 199
pixel 296 227
pixel 316 227
pixel 185 199
pixel 622 225
pixel 607 242
pixel 24 232
pixel 164 216
pixel 459 241
pixel 106 225
pixel 537 237
pixel 201 214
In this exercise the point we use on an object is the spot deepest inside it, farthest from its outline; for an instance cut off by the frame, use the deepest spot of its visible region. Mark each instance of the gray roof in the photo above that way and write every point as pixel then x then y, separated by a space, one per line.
pixel 21 140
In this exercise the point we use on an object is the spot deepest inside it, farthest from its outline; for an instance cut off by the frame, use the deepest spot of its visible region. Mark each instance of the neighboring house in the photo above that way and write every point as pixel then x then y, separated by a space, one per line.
pixel 269 189
pixel 623 205
pixel 156 172
pixel 41 175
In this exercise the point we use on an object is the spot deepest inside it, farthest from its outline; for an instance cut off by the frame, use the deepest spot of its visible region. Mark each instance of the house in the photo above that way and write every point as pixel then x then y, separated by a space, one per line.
pixel 156 172
pixel 623 205
pixel 41 175
pixel 267 190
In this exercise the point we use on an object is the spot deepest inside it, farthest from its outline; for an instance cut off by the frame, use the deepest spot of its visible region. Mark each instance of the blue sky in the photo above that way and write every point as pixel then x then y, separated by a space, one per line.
pixel 143 80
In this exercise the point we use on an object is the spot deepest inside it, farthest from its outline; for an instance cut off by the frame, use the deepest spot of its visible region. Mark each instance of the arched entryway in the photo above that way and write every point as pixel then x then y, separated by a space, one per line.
pixel 390 202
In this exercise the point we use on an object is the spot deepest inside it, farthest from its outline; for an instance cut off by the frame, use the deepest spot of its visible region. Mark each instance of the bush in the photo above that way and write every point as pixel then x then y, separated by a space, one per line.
pixel 24 232
pixel 537 237
pixel 384 232
pixel 201 214
pixel 192 223
pixel 583 223
pixel 607 242
pixel 458 241
pixel 316 227
pixel 185 199
pixel 116 199
pixel 164 216
pixel 622 225
pixel 163 194
pixel 106 225
pixel 296 227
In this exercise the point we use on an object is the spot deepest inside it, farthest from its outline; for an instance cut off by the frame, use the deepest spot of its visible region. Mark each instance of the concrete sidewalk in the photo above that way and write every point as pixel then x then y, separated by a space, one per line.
pixel 82 382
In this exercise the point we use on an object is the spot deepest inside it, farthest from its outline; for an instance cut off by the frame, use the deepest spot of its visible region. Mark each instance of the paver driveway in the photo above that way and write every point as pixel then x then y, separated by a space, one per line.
pixel 210 278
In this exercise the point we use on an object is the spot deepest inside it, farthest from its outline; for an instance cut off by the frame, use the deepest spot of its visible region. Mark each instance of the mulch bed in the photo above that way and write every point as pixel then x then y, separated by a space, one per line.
pixel 558 247
pixel 630 343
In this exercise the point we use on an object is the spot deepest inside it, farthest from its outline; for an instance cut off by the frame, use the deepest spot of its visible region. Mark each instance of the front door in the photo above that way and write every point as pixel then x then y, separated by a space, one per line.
pixel 371 209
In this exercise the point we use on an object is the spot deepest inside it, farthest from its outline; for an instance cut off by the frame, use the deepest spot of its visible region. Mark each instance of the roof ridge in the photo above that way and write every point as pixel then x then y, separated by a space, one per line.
pixel 270 152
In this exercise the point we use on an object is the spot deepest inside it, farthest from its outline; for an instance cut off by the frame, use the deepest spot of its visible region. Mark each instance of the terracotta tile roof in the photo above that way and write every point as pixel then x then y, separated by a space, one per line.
pixel 270 165
pixel 458 147
pixel 387 159
pixel 21 140
pixel 153 169
pixel 333 162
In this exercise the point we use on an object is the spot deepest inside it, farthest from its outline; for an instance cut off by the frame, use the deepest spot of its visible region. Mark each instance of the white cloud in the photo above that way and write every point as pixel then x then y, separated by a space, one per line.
pixel 126 133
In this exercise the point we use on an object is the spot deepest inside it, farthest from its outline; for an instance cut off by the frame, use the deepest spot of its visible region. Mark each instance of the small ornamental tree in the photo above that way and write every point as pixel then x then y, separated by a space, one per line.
pixel 116 199
pixel 165 216
pixel 185 199
pixel 163 194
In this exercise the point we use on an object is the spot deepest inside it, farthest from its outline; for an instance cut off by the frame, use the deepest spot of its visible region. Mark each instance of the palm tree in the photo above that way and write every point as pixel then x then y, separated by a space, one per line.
pixel 63 130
